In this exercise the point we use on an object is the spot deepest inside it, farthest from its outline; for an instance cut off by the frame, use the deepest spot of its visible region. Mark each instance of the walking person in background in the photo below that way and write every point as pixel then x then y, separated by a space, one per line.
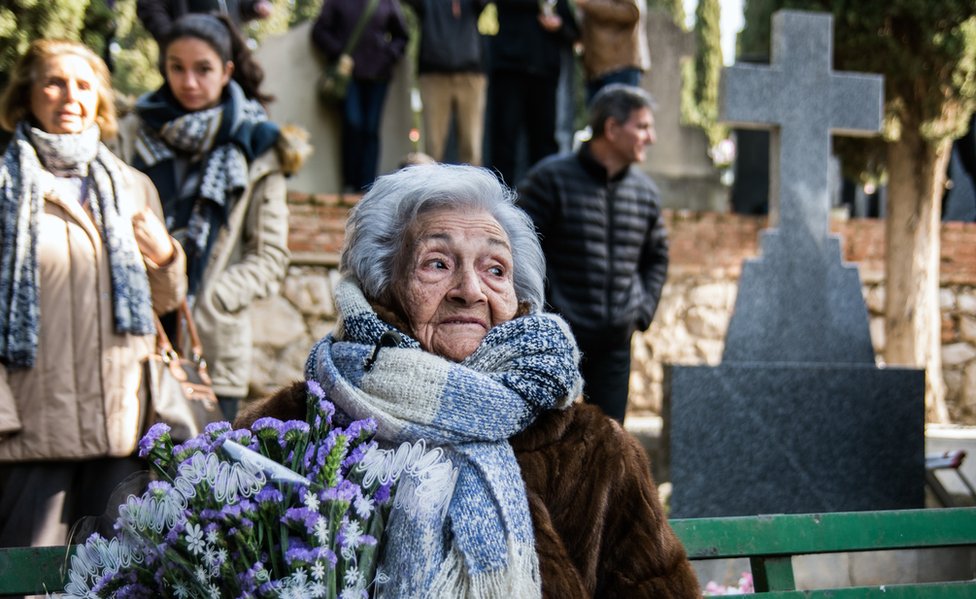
pixel 451 75
pixel 205 140
pixel 157 16
pixel 525 60
pixel 599 219
pixel 381 44
pixel 85 257
pixel 614 40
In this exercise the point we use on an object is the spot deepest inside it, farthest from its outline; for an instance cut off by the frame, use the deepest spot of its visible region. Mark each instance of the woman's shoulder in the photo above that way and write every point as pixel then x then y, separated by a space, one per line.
pixel 580 427
pixel 288 154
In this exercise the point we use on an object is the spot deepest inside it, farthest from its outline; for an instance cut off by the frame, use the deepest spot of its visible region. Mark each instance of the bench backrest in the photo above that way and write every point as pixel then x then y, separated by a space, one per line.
pixel 768 541
pixel 771 541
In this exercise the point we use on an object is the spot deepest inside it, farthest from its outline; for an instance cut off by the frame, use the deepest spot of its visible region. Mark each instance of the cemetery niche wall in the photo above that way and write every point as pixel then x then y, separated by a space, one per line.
pixel 797 417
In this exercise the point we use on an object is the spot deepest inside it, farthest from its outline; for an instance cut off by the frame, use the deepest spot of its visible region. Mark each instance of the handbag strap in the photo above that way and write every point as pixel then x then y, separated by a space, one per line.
pixel 163 343
pixel 360 25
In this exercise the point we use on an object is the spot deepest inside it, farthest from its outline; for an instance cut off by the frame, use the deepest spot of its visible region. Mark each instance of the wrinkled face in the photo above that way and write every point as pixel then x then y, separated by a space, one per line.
pixel 458 282
pixel 631 138
pixel 195 73
pixel 64 95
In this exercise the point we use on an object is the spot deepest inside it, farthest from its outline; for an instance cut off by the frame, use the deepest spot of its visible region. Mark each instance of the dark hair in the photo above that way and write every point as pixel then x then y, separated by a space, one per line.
pixel 617 101
pixel 220 33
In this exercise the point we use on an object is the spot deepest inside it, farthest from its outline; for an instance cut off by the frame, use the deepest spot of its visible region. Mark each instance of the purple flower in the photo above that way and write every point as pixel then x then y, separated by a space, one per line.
pixel 215 429
pixel 301 517
pixel 360 429
pixel 294 430
pixel 382 494
pixel 315 388
pixel 158 434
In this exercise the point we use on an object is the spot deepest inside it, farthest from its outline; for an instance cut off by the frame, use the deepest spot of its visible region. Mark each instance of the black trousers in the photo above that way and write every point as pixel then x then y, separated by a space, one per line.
pixel 606 375
pixel 520 102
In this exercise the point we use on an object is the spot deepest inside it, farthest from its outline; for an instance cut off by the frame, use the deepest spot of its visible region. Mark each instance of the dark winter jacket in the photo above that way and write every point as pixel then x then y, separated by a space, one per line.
pixel 382 43
pixel 604 240
pixel 158 15
pixel 523 46
pixel 600 530
pixel 449 43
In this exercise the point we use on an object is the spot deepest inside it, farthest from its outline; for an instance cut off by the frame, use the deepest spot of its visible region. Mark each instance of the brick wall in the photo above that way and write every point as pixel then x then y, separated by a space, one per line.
pixel 707 250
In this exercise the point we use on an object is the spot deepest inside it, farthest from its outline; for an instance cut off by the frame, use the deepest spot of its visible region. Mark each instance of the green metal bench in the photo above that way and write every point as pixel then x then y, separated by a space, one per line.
pixel 768 541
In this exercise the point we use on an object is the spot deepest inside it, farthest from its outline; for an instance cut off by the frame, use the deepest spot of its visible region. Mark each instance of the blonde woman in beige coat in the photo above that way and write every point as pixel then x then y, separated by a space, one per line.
pixel 84 258
pixel 206 142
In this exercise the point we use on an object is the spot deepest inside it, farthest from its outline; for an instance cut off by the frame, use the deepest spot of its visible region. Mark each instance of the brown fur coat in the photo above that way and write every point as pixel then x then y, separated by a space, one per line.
pixel 600 530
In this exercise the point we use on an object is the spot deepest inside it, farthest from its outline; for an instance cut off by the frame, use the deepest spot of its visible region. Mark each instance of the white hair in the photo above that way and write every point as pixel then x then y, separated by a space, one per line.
pixel 377 226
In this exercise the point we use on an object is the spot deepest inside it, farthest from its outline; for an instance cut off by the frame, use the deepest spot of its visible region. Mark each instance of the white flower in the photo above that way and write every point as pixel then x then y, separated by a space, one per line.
pixel 212 536
pixel 318 570
pixel 201 574
pixel 322 530
pixel 194 538
pixel 364 506
pixel 214 591
pixel 209 557
pixel 311 501
pixel 180 590
pixel 318 589
pixel 353 578
pixel 354 537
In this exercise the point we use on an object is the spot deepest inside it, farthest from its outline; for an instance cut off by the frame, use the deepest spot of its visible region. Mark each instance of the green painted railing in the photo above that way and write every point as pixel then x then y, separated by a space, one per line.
pixel 768 541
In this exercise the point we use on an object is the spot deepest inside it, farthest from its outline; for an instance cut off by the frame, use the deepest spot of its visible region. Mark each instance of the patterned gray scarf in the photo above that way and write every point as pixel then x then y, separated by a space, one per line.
pixel 225 164
pixel 21 201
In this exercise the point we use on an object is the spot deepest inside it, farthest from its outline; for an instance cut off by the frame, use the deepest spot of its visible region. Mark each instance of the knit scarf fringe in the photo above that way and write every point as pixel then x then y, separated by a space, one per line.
pixel 521 579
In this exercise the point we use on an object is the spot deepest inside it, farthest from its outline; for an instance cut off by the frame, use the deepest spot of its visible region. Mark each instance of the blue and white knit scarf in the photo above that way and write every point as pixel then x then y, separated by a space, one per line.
pixel 485 547
pixel 21 202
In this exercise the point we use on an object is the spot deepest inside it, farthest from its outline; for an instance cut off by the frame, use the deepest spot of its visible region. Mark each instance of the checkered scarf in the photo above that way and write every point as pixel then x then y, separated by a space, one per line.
pixel 485 547
pixel 21 201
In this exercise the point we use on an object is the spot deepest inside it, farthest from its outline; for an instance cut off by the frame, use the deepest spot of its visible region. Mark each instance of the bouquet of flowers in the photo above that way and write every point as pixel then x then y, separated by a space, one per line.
pixel 285 509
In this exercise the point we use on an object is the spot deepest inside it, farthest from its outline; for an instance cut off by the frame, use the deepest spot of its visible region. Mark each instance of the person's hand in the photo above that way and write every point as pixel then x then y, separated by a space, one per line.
pixel 262 9
pixel 152 237
pixel 550 22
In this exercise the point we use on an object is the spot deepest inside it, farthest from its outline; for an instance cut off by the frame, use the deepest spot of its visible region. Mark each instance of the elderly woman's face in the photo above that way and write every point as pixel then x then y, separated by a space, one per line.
pixel 64 95
pixel 459 281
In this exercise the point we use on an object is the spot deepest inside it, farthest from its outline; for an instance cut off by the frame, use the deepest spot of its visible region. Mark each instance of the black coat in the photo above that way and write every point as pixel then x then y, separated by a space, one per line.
pixel 523 46
pixel 382 43
pixel 604 240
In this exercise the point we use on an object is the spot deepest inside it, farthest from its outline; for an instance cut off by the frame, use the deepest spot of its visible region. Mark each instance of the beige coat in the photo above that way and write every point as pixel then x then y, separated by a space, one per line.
pixel 247 263
pixel 614 37
pixel 82 397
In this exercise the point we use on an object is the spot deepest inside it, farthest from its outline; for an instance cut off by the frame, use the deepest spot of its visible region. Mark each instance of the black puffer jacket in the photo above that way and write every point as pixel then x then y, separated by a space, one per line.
pixel 605 244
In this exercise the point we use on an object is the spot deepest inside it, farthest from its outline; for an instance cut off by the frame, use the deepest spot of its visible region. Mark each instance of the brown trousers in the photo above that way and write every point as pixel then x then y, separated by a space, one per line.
pixel 446 94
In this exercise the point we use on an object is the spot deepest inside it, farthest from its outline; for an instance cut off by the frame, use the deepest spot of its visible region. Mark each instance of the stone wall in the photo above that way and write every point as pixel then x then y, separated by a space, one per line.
pixel 707 249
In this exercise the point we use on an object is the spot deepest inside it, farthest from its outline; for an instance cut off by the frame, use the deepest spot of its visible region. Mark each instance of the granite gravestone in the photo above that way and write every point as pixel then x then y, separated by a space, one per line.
pixel 797 418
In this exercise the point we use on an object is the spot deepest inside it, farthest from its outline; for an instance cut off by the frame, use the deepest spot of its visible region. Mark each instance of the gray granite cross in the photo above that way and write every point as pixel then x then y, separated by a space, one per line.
pixel 803 101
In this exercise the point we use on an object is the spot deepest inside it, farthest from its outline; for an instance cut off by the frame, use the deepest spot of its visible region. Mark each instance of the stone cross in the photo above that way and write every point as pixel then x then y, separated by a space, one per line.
pixel 803 101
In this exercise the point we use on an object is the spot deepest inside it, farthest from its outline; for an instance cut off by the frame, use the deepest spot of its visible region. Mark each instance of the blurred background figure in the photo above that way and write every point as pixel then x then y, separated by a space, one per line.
pixel 205 140
pixel 524 75
pixel 157 16
pixel 85 259
pixel 614 36
pixel 380 46
pixel 451 75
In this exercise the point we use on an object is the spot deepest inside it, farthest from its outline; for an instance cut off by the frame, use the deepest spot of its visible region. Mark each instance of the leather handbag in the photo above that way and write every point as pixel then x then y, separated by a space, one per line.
pixel 334 80
pixel 180 390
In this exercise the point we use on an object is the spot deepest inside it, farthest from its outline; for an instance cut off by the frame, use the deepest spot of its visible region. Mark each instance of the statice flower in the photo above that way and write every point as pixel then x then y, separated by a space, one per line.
pixel 285 509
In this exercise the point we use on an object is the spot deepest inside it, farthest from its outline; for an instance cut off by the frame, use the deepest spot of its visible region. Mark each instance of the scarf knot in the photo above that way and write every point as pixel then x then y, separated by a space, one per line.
pixel 483 546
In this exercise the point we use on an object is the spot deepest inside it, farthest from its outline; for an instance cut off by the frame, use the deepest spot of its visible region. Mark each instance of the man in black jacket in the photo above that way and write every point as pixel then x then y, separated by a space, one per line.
pixel 157 16
pixel 599 220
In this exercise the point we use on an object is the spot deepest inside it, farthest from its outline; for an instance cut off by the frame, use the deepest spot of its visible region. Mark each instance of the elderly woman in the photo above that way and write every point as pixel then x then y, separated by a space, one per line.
pixel 441 337
pixel 85 257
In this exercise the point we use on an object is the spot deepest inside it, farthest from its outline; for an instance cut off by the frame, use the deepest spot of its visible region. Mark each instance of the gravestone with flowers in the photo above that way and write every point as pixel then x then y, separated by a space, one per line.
pixel 797 417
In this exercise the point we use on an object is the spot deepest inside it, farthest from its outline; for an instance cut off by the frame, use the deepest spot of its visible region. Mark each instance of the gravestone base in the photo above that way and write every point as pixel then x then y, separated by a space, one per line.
pixel 758 438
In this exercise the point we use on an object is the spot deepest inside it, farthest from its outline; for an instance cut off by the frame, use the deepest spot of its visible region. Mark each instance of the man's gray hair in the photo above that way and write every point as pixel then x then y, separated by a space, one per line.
pixel 617 101
pixel 377 228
